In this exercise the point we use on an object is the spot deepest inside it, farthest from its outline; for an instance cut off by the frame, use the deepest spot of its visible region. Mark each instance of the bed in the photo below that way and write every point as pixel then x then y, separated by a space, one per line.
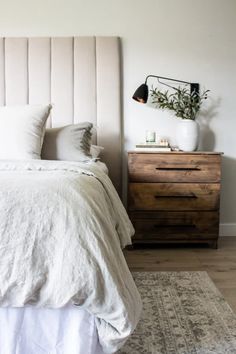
pixel 64 284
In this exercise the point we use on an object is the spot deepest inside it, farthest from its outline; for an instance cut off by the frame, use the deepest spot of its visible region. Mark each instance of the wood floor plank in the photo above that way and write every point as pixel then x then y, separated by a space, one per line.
pixel 220 264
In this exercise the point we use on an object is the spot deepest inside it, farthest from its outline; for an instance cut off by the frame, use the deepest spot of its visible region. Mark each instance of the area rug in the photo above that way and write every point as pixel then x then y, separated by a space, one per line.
pixel 183 313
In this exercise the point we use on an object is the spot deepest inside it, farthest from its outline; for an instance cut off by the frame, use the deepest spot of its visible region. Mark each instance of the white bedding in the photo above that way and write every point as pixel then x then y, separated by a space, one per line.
pixel 30 330
pixel 101 165
pixel 62 227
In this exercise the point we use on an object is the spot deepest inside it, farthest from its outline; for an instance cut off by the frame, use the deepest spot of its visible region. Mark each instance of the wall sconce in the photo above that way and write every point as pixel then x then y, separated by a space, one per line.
pixel 141 94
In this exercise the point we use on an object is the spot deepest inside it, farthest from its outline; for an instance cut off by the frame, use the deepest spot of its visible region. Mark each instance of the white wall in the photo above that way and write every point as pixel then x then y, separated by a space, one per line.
pixel 185 39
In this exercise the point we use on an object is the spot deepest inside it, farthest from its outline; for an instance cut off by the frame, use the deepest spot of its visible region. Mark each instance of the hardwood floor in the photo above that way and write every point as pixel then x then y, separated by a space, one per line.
pixel 220 264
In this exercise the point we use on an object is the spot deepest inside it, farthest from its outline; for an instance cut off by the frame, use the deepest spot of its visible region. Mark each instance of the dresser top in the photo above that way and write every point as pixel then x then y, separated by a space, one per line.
pixel 177 152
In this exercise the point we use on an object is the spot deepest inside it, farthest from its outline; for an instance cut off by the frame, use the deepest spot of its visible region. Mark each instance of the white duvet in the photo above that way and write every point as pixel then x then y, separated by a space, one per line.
pixel 62 227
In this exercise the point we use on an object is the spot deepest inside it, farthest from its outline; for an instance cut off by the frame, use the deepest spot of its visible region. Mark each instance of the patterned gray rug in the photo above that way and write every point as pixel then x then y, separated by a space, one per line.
pixel 183 313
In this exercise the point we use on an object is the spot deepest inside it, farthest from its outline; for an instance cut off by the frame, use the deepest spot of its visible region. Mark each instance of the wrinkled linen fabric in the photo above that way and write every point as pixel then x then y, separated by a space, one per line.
pixel 62 230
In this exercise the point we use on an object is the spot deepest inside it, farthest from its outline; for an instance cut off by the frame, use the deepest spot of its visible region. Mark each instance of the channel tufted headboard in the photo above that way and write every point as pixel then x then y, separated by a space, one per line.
pixel 80 76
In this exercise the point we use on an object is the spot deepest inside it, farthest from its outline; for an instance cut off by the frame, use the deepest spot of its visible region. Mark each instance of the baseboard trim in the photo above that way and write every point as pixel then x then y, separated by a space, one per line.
pixel 228 229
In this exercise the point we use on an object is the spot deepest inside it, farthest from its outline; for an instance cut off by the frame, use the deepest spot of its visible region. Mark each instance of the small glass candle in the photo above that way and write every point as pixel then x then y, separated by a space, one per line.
pixel 150 136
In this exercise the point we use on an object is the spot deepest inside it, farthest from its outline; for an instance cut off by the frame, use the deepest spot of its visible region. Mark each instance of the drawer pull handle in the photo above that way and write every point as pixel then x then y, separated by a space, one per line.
pixel 190 196
pixel 184 226
pixel 178 168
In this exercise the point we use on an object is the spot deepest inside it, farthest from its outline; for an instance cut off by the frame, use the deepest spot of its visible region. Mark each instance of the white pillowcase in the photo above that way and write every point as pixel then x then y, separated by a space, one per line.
pixel 22 131
pixel 96 151
pixel 69 143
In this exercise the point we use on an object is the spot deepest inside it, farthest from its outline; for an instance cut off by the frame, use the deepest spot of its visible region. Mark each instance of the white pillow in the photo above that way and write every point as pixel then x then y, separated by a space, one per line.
pixel 68 143
pixel 22 130
pixel 96 151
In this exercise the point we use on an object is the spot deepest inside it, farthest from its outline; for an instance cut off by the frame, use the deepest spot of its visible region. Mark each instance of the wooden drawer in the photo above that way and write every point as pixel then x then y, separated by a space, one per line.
pixel 175 225
pixel 173 196
pixel 171 167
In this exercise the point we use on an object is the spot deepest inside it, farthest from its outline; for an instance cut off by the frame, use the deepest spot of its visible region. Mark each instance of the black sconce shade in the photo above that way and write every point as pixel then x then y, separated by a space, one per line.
pixel 141 94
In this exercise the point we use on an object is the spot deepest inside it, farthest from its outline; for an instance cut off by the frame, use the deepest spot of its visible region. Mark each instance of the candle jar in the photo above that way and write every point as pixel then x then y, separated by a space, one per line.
pixel 150 136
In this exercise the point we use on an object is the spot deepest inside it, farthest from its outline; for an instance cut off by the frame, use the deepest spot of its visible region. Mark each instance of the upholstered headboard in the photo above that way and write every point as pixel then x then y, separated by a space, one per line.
pixel 80 76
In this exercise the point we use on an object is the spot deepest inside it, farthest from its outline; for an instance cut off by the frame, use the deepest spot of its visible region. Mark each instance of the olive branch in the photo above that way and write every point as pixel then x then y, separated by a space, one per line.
pixel 185 104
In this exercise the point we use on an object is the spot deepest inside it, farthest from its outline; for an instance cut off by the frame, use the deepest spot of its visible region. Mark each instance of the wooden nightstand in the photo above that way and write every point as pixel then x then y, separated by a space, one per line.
pixel 174 196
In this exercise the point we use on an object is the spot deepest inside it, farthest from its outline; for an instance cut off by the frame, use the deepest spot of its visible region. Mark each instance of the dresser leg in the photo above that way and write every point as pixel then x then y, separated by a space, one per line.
pixel 214 244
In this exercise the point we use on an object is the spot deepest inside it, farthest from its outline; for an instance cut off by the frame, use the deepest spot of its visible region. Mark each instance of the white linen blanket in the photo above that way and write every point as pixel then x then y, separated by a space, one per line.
pixel 62 227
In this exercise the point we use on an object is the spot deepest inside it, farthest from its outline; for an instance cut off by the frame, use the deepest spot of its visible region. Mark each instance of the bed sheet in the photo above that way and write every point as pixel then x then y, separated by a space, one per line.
pixel 30 330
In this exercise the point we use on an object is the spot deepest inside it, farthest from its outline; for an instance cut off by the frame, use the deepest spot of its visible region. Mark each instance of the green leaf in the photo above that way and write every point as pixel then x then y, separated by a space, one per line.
pixel 186 105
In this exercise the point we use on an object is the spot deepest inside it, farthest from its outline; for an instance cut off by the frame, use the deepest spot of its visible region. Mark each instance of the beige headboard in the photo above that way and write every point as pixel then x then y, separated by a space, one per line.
pixel 80 76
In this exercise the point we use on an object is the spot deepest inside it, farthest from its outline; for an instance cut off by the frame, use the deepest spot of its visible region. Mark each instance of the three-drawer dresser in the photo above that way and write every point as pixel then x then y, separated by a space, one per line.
pixel 174 196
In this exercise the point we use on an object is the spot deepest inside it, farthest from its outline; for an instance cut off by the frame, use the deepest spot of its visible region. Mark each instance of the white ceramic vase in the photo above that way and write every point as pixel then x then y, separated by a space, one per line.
pixel 187 135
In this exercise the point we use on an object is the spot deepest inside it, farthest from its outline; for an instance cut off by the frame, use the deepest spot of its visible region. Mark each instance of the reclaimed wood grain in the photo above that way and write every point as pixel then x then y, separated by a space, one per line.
pixel 144 167
pixel 164 226
pixel 174 197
